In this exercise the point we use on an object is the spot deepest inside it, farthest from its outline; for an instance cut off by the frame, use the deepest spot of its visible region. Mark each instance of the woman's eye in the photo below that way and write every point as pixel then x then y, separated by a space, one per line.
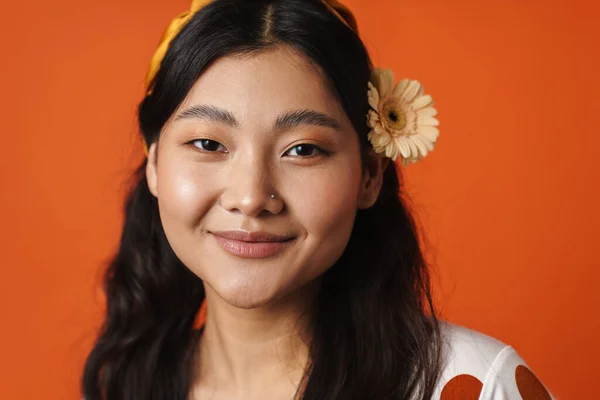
pixel 208 145
pixel 304 150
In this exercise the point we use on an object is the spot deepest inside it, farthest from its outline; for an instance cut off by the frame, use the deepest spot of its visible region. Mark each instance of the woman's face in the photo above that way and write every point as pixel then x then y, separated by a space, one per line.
pixel 251 127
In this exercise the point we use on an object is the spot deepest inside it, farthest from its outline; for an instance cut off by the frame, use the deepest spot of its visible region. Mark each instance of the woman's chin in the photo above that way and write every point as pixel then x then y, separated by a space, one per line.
pixel 254 290
pixel 246 296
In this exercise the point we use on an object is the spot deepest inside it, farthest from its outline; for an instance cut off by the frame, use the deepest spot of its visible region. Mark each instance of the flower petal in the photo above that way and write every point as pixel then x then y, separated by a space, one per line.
pixel 372 119
pixel 427 121
pixel 380 140
pixel 387 150
pixel 373 96
pixel 379 129
pixel 372 135
pixel 383 80
pixel 428 143
pixel 428 111
pixel 414 151
pixel 419 92
pixel 420 145
pixel 403 147
pixel 411 91
pixel 430 132
pixel 400 88
pixel 422 101
pixel 395 152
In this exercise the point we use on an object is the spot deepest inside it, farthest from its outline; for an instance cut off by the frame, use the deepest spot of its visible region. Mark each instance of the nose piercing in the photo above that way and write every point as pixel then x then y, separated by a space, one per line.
pixel 272 196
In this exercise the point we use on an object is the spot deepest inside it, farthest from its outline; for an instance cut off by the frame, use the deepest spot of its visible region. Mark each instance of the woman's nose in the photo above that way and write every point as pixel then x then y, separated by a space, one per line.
pixel 249 189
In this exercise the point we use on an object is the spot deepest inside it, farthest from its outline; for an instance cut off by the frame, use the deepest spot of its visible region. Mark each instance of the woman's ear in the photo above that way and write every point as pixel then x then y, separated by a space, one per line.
pixel 151 170
pixel 372 180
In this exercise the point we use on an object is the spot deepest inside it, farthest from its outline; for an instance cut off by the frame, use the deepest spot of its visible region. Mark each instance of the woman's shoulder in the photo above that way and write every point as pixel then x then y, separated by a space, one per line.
pixel 478 366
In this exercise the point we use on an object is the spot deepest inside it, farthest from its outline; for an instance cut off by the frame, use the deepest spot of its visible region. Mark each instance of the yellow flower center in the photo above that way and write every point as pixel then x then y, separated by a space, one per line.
pixel 394 117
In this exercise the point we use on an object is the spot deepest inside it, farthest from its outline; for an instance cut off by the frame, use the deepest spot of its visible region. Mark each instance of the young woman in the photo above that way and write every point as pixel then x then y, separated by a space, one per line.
pixel 267 252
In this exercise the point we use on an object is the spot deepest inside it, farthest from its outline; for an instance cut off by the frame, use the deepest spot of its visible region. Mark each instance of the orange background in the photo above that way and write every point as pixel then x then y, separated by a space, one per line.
pixel 507 197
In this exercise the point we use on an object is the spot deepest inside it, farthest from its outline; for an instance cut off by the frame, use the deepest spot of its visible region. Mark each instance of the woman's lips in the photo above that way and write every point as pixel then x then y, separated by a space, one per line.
pixel 252 244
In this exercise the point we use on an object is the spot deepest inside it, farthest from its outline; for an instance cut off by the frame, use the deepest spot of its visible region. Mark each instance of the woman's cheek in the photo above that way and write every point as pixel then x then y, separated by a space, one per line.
pixel 186 191
pixel 330 202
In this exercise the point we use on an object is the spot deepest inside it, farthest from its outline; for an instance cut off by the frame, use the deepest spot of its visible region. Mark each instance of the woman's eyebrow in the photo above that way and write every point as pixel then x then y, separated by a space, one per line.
pixel 208 113
pixel 294 119
pixel 289 120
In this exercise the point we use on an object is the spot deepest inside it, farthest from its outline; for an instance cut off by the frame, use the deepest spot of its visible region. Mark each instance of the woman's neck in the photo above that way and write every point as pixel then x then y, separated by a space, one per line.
pixel 258 353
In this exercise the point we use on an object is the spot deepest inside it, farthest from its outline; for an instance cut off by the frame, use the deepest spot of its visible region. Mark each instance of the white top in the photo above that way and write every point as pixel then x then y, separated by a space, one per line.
pixel 479 367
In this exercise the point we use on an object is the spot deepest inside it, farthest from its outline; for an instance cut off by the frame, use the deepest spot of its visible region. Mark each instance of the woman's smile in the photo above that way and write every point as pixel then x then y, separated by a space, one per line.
pixel 255 244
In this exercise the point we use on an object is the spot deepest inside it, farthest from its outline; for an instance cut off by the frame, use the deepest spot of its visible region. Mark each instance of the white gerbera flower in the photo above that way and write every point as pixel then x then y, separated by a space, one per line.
pixel 402 118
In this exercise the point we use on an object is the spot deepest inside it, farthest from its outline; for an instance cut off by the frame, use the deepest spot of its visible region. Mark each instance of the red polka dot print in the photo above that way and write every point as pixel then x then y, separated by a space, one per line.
pixel 530 387
pixel 462 387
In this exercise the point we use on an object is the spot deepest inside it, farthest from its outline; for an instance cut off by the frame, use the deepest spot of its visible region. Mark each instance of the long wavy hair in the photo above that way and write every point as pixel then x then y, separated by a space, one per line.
pixel 376 334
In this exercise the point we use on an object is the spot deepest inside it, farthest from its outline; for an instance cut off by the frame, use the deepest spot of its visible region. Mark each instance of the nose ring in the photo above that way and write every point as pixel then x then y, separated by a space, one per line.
pixel 272 196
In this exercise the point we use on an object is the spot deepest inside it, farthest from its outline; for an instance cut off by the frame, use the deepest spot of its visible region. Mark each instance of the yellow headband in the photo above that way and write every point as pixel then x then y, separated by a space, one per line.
pixel 172 30
pixel 341 11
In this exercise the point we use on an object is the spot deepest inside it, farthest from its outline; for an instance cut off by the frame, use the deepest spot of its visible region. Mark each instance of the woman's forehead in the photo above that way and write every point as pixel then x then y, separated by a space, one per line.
pixel 264 84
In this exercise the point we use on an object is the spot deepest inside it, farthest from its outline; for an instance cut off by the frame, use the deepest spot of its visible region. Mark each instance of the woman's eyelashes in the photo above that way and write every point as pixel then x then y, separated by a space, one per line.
pixel 208 145
pixel 303 150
